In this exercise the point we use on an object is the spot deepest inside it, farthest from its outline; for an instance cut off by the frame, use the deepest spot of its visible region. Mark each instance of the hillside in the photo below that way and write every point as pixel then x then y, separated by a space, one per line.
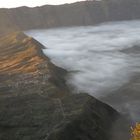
pixel 36 104
pixel 22 60
pixel 76 14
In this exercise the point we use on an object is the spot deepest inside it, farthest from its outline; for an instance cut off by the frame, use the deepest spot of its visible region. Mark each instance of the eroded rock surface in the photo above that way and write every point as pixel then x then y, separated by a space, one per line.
pixel 35 102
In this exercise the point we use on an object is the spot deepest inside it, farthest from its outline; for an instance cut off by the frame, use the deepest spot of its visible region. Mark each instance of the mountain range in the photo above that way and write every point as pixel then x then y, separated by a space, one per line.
pixel 75 14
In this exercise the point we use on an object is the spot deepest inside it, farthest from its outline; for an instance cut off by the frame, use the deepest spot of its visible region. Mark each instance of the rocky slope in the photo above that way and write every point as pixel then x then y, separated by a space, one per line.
pixel 22 60
pixel 35 103
pixel 80 13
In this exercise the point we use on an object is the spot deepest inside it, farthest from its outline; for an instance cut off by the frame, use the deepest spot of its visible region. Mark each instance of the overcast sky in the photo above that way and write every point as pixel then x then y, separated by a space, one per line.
pixel 32 3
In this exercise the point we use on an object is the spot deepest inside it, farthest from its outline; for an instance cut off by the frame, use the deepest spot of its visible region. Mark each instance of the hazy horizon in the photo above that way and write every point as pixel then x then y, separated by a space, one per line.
pixel 31 3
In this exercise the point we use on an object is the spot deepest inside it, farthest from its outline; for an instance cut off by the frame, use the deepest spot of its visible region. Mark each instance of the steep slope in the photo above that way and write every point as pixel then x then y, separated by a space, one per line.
pixel 80 13
pixel 23 53
pixel 23 64
pixel 128 95
pixel 35 103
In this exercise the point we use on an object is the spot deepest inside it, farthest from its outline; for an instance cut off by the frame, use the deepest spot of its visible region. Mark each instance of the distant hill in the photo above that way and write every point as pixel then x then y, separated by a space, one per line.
pixel 80 13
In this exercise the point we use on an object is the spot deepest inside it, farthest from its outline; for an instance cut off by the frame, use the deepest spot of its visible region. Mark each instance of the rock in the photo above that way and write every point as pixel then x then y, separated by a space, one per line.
pixel 132 50
pixel 35 102
pixel 23 65
pixel 89 119
pixel 72 117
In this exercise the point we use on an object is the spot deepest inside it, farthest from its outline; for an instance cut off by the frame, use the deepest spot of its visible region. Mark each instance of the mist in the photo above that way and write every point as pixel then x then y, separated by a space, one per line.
pixel 94 55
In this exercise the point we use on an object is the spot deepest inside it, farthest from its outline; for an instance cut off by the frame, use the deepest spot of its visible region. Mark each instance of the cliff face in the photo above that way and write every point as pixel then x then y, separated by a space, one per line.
pixel 80 13
pixel 35 103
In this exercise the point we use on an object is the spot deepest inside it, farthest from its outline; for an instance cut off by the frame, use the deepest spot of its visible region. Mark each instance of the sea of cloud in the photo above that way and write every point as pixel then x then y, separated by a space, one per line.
pixel 93 55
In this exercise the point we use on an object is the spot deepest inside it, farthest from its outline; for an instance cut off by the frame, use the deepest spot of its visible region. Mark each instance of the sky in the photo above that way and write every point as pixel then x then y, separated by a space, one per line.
pixel 32 3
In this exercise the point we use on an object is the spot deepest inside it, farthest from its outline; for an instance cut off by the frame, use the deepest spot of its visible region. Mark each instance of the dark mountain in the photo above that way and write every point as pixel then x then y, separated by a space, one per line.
pixel 80 13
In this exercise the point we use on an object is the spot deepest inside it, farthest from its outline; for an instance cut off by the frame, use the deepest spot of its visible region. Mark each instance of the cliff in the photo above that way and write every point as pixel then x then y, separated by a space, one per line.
pixel 76 14
pixel 35 102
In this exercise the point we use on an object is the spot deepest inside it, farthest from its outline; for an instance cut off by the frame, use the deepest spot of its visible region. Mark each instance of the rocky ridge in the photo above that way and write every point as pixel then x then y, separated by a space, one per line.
pixel 35 102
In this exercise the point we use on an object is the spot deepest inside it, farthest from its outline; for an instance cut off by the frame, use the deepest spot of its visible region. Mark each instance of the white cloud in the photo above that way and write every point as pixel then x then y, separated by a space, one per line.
pixel 97 65
pixel 92 54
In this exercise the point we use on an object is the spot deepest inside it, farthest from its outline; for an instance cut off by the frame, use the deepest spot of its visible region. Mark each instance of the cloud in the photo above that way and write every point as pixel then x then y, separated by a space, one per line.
pixel 93 54
pixel 95 61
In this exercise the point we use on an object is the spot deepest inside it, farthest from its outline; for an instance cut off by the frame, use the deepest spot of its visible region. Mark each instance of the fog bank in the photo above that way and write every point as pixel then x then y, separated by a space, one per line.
pixel 94 55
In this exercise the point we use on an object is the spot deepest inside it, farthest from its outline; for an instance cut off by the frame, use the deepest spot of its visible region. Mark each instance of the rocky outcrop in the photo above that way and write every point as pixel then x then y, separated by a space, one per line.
pixel 23 65
pixel 35 102
pixel 80 13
